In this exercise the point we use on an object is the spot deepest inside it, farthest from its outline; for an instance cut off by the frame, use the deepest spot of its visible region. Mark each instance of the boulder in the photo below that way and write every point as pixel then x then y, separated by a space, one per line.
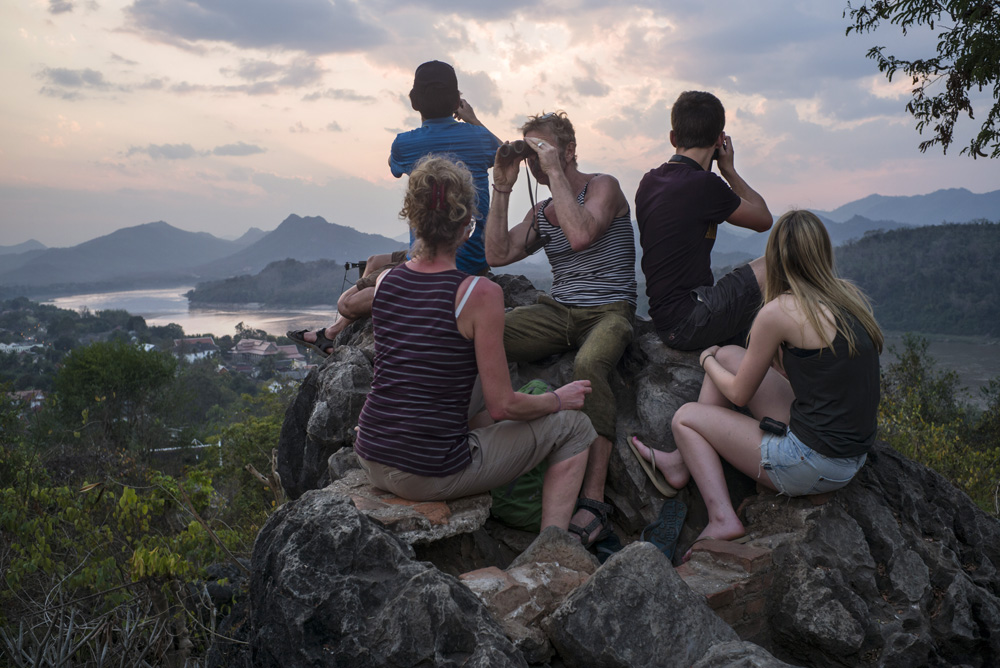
pixel 329 588
pixel 635 611
pixel 414 522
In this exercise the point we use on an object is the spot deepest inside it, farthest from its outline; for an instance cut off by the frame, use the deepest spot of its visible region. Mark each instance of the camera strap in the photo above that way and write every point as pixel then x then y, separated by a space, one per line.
pixel 684 160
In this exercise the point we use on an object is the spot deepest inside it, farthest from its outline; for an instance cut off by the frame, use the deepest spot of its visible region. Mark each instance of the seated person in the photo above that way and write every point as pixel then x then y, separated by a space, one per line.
pixel 679 206
pixel 436 96
pixel 812 364
pixel 437 328
pixel 586 228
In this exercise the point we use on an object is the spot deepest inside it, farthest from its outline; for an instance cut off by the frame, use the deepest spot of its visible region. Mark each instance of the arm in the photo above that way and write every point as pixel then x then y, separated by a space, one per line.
pixel 466 113
pixel 505 246
pixel 582 225
pixel 766 334
pixel 752 212
pixel 482 320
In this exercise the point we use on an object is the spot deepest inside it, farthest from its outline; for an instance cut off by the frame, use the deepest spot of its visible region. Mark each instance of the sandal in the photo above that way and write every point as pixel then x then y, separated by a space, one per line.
pixel 601 512
pixel 321 345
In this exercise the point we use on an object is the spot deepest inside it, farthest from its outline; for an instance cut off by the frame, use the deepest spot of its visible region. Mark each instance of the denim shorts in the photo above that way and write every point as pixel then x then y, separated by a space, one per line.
pixel 795 469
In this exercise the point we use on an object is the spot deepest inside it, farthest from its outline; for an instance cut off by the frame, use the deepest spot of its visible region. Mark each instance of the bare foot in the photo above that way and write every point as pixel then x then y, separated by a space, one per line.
pixel 670 464
pixel 718 530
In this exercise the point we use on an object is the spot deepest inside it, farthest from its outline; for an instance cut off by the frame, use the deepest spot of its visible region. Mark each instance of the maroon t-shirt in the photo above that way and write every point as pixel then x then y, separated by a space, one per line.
pixel 678 208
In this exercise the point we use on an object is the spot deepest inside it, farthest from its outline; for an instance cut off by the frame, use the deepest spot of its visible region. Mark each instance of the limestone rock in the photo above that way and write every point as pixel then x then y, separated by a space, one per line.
pixel 321 420
pixel 412 521
pixel 738 654
pixel 330 588
pixel 635 611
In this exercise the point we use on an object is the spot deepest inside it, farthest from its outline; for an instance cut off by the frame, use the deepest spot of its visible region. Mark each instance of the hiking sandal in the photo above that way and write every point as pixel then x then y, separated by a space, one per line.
pixel 601 512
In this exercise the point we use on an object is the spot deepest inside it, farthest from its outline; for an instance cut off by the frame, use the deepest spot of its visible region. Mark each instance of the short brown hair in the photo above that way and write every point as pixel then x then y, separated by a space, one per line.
pixel 557 124
pixel 440 198
pixel 697 119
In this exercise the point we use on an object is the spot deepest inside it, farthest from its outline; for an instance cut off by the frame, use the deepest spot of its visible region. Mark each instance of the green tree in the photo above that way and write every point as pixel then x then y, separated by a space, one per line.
pixel 114 386
pixel 968 57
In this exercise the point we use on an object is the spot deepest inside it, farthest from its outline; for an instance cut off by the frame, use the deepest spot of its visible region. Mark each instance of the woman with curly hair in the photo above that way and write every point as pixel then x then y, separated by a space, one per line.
pixel 812 363
pixel 437 329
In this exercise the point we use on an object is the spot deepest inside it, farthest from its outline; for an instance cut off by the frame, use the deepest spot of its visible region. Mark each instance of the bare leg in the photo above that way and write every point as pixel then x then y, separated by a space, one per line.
pixel 559 491
pixel 758 272
pixel 354 304
pixel 593 482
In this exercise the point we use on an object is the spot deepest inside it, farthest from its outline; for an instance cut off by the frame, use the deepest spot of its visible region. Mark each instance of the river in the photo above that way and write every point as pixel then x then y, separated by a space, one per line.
pixel 975 360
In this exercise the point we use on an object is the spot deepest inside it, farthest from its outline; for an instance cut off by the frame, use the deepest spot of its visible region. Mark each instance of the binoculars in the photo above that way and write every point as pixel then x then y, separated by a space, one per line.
pixel 514 151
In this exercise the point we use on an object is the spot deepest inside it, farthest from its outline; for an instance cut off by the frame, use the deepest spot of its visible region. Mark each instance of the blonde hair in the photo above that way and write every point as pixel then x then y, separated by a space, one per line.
pixel 440 200
pixel 799 260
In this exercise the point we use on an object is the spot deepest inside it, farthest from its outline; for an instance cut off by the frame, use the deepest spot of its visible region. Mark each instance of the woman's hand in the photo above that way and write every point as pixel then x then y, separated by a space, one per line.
pixel 571 395
pixel 706 353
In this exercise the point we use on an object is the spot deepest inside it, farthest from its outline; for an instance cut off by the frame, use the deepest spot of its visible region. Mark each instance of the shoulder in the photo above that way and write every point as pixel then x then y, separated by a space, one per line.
pixel 604 185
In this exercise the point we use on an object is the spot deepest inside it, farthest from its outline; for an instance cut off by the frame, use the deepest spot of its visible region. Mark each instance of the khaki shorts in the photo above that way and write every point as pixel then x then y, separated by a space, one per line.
pixel 397 258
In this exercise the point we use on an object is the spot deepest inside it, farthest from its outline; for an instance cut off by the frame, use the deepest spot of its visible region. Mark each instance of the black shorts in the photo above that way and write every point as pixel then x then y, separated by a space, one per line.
pixel 722 313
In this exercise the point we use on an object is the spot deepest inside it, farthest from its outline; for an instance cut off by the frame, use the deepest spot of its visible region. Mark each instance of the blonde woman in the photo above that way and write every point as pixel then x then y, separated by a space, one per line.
pixel 437 329
pixel 812 364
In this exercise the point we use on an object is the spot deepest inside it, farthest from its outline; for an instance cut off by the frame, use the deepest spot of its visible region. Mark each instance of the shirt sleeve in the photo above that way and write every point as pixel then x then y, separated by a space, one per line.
pixel 720 198
pixel 398 164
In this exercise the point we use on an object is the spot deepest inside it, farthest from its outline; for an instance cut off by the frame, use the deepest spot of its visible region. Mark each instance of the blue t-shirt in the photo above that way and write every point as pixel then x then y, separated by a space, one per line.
pixel 472 145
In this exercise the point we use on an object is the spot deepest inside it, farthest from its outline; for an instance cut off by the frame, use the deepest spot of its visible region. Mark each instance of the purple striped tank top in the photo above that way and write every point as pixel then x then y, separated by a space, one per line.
pixel 416 416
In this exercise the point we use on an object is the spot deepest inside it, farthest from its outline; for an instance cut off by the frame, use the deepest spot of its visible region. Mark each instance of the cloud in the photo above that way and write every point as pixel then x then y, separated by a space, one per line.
pixel 334 126
pixel 60 6
pixel 238 149
pixel 85 78
pixel 480 90
pixel 115 58
pixel 166 151
pixel 338 94
pixel 311 26
pixel 300 72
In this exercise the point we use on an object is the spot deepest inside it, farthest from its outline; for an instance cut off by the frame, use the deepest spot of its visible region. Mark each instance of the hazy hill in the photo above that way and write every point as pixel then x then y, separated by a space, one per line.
pixel 940 278
pixel 735 244
pixel 304 239
pixel 29 245
pixel 251 236
pixel 153 250
pixel 953 205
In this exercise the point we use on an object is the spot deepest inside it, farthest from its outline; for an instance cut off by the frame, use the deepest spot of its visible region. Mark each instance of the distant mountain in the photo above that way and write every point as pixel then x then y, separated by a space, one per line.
pixel 251 236
pixel 303 239
pixel 953 205
pixel 154 250
pixel 24 247
pixel 734 245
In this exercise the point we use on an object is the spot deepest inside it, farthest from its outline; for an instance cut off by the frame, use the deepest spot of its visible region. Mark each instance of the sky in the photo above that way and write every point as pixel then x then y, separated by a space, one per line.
pixel 222 115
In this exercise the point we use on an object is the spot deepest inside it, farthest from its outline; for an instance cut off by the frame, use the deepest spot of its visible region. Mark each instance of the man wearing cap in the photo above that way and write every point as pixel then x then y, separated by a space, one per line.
pixel 436 96
pixel 586 230
pixel 678 207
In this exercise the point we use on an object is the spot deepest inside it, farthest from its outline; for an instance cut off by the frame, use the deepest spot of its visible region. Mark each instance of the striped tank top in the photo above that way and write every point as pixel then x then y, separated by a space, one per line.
pixel 416 416
pixel 601 274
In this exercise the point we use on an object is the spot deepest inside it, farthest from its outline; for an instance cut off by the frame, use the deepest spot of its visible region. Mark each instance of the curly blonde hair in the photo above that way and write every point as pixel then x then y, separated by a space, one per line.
pixel 440 200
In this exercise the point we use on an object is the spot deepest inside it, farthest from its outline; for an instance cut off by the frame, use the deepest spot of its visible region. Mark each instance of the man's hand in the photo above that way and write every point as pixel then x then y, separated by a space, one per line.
pixel 726 155
pixel 505 170
pixel 548 155
pixel 466 113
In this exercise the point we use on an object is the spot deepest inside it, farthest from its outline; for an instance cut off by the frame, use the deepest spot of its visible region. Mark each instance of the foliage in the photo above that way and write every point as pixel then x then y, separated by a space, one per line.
pixel 922 417
pixel 936 278
pixel 113 386
pixel 968 57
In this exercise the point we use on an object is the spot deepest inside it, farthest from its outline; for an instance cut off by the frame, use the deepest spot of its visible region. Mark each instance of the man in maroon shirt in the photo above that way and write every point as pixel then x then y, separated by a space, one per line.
pixel 679 206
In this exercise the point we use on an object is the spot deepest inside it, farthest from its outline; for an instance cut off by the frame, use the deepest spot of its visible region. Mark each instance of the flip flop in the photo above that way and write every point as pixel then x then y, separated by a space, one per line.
pixel 741 540
pixel 652 472
pixel 320 345
pixel 664 532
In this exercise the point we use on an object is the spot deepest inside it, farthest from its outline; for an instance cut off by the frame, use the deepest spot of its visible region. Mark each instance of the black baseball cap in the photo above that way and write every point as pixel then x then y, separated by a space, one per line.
pixel 435 75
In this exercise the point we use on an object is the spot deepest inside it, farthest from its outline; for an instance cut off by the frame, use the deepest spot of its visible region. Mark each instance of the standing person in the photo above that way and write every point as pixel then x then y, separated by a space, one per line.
pixel 812 364
pixel 679 206
pixel 436 96
pixel 436 328
pixel 586 229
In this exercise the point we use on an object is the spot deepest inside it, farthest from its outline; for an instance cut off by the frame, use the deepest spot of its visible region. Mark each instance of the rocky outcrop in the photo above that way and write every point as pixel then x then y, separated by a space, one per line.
pixel 329 588
pixel 897 569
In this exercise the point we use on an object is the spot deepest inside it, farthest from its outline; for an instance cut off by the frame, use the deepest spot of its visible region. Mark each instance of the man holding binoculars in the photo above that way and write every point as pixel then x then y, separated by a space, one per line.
pixel 586 230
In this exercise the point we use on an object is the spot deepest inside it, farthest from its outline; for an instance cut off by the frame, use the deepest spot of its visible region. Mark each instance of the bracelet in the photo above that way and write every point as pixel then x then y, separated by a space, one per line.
pixel 557 399
pixel 505 192
pixel 706 359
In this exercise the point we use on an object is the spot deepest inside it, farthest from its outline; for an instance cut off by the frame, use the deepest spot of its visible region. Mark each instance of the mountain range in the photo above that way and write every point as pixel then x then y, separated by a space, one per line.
pixel 158 253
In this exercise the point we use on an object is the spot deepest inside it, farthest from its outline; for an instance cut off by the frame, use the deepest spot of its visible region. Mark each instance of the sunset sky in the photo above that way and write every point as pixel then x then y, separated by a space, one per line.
pixel 223 115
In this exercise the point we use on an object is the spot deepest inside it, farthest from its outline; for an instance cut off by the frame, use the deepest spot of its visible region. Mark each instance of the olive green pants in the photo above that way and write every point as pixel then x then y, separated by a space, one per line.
pixel 600 335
